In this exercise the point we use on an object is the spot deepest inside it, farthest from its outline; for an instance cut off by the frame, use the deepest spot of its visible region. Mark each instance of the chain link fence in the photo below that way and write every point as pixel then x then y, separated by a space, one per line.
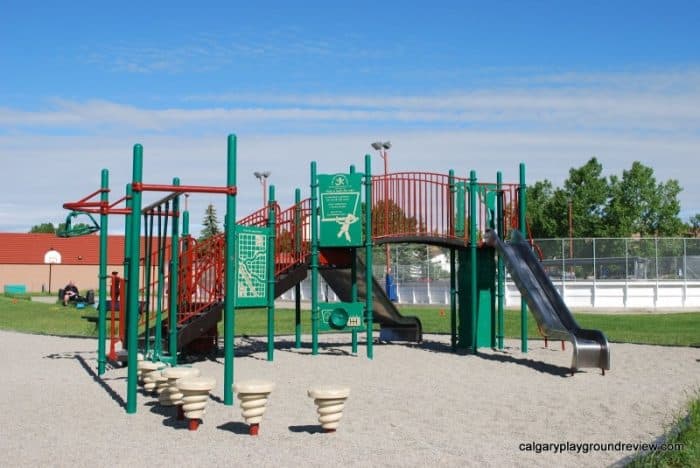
pixel 620 259
pixel 421 273
pixel 582 259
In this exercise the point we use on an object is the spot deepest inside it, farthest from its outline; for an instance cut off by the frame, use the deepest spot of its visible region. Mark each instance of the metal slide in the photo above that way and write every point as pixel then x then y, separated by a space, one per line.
pixel 394 326
pixel 555 320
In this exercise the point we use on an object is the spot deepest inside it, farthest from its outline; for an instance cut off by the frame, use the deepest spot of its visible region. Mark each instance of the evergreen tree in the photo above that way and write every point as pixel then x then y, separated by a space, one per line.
pixel 210 223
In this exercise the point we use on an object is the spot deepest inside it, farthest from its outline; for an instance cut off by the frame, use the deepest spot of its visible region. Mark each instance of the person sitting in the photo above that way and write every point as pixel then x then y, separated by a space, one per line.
pixel 70 292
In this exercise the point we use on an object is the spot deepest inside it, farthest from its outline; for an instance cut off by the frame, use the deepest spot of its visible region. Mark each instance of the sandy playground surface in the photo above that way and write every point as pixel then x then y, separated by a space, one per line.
pixel 410 406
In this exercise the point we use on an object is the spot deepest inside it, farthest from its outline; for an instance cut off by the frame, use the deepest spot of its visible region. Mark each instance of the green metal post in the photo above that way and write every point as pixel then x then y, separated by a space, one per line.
pixel 314 260
pixel 102 318
pixel 230 272
pixel 173 295
pixel 353 284
pixel 522 194
pixel 473 240
pixel 297 287
pixel 127 231
pixel 127 262
pixel 501 272
pixel 186 246
pixel 271 222
pixel 453 265
pixel 368 255
pixel 133 285
pixel 353 295
pixel 185 223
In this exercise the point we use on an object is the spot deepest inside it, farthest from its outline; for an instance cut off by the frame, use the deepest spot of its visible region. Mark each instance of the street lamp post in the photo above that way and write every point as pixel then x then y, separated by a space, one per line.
pixel 262 177
pixel 382 147
pixel 571 229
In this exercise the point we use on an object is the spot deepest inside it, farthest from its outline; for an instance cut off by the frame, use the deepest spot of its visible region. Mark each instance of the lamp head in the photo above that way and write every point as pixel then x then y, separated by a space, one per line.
pixel 377 145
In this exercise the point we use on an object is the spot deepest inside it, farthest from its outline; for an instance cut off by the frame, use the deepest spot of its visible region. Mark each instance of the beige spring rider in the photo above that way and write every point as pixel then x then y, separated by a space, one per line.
pixel 171 395
pixel 150 374
pixel 330 401
pixel 253 395
pixel 195 393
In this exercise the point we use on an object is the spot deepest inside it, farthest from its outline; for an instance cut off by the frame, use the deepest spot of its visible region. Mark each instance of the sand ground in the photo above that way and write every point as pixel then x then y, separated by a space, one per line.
pixel 409 406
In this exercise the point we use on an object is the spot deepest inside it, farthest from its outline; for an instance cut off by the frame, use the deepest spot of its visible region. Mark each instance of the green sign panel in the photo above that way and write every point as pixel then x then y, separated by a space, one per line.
pixel 341 316
pixel 341 224
pixel 252 258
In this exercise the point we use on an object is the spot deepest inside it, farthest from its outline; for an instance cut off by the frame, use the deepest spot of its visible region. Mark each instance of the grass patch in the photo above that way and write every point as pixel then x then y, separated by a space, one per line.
pixel 681 329
pixel 658 329
pixel 45 319
pixel 686 432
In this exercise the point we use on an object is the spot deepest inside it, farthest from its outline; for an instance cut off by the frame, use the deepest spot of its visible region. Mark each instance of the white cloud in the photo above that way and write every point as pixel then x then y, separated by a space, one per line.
pixel 656 120
pixel 37 181
pixel 650 103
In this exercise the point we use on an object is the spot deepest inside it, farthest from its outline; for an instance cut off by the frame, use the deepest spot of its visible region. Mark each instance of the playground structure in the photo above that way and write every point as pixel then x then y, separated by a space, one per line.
pixel 272 250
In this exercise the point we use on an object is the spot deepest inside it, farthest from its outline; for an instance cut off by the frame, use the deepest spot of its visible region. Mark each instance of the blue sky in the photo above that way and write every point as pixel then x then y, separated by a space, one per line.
pixel 460 85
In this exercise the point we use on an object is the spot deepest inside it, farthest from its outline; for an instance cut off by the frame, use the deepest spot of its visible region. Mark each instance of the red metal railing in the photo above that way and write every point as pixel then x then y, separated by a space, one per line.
pixel 259 217
pixel 425 205
pixel 293 236
pixel 410 204
pixel 292 233
pixel 201 275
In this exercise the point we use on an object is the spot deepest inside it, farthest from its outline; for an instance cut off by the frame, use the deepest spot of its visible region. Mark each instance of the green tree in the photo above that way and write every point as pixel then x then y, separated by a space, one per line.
pixel 667 221
pixel 540 208
pixel 586 190
pixel 43 228
pixel 49 228
pixel 640 205
pixel 210 223
pixel 589 193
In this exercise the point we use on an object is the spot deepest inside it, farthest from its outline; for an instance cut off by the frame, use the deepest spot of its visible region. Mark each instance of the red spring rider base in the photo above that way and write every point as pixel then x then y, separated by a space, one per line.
pixel 193 424
pixel 253 430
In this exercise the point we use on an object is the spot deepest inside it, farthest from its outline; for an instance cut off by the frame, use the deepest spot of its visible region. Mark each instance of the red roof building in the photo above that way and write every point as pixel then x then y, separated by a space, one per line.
pixel 29 249
pixel 22 260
